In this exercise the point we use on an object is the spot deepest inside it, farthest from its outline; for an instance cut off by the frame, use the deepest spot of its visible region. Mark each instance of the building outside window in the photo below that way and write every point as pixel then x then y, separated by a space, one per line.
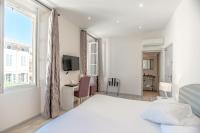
pixel 14 78
pixel 22 78
pixel 8 60
pixel 8 78
pixel 23 60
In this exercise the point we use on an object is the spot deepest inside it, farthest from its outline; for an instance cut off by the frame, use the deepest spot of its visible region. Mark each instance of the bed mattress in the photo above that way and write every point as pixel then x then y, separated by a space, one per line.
pixel 103 114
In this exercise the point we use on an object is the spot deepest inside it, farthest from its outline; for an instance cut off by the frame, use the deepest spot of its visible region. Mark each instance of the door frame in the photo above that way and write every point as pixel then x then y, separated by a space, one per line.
pixel 170 45
pixel 142 72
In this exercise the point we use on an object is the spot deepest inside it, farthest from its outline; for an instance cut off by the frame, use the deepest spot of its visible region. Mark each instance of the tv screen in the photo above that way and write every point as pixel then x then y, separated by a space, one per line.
pixel 70 63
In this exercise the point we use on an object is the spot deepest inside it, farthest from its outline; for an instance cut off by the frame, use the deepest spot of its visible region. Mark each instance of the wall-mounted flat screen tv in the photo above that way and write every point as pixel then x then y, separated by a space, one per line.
pixel 70 63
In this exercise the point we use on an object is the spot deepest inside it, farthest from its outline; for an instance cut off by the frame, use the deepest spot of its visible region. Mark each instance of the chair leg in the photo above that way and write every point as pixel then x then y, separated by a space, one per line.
pixel 107 89
pixel 118 92
pixel 80 100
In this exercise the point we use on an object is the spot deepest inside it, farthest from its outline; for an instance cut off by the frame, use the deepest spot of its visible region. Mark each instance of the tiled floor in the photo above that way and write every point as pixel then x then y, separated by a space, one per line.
pixel 150 94
pixel 32 125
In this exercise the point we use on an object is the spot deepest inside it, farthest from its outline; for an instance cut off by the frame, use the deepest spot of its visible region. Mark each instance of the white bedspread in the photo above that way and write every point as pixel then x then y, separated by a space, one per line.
pixel 103 114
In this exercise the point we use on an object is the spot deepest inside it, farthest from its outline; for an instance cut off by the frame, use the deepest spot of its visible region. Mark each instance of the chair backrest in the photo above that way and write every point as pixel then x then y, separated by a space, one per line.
pixel 166 87
pixel 84 86
pixel 113 82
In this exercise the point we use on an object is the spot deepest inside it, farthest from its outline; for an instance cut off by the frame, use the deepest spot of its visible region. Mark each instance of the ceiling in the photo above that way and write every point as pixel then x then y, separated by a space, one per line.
pixel 114 17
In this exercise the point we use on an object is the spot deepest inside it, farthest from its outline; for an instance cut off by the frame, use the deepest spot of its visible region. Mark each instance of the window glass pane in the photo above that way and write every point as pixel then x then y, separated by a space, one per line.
pixel 18 47
pixel 92 56
pixel 148 64
pixel 93 69
pixel 93 48
pixel 9 59
pixel 93 59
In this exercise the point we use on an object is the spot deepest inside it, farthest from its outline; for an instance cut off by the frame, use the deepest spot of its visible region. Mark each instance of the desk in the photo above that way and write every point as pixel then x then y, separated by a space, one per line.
pixel 67 96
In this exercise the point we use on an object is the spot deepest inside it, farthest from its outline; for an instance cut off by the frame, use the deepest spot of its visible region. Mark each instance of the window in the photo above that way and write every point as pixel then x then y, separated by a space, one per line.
pixel 23 78
pixel 19 45
pixel 8 78
pixel 8 60
pixel 23 60
pixel 14 78
pixel 8 47
pixel 92 56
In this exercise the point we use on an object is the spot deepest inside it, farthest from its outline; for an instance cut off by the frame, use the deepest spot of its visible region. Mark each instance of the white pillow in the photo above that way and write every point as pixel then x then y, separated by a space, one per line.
pixel 180 129
pixel 167 113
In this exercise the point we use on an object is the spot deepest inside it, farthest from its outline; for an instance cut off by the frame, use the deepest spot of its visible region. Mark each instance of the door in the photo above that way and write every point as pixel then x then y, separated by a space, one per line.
pixel 168 63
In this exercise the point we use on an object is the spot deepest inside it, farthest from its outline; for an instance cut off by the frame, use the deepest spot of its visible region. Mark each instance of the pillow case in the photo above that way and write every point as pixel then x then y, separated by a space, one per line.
pixel 167 113
pixel 180 129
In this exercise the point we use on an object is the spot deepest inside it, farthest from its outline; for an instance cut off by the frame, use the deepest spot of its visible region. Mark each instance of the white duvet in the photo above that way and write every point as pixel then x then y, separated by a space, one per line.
pixel 103 114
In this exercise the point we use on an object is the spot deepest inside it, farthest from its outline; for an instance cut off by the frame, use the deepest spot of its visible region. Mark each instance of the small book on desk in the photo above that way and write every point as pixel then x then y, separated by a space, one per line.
pixel 71 85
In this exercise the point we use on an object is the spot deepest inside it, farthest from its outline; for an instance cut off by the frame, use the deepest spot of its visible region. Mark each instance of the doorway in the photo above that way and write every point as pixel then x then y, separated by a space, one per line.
pixel 151 65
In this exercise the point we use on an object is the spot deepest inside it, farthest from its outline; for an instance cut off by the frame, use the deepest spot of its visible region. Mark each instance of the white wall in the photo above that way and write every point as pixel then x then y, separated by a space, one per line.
pixel 183 31
pixel 69 45
pixel 126 63
pixel 18 106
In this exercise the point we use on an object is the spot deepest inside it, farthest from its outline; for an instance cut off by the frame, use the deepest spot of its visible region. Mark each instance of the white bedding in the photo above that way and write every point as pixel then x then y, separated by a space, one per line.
pixel 180 129
pixel 103 114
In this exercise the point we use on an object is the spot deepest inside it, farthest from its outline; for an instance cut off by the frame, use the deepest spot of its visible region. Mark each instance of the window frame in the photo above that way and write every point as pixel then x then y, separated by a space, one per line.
pixel 1 45
pixel 90 53
pixel 34 16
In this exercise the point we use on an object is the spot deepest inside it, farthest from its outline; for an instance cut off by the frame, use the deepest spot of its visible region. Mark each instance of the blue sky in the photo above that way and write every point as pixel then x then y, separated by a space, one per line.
pixel 18 27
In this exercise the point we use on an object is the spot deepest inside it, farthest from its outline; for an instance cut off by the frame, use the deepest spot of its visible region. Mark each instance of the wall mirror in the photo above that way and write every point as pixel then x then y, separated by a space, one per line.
pixel 148 64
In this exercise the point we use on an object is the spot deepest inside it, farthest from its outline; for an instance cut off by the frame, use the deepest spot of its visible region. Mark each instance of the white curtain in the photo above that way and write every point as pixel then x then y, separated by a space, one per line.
pixel 100 65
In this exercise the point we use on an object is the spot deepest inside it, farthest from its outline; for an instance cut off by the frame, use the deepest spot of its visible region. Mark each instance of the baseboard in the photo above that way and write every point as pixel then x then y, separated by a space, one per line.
pixel 23 122
pixel 115 93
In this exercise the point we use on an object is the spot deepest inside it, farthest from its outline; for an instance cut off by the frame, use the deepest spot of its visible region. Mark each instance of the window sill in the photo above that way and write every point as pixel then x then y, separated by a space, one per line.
pixel 19 89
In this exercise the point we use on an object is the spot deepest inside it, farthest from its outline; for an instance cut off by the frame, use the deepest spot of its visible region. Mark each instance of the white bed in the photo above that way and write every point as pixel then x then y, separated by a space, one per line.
pixel 103 114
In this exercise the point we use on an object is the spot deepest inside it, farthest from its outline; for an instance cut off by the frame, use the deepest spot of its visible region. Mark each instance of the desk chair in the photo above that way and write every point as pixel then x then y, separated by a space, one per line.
pixel 83 89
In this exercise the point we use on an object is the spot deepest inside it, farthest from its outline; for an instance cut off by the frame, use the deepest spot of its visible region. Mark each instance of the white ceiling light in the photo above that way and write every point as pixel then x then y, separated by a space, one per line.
pixel 141 5
pixel 89 18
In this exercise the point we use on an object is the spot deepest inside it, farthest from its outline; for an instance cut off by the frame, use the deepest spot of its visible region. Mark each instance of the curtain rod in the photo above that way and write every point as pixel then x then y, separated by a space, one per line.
pixel 39 2
pixel 92 36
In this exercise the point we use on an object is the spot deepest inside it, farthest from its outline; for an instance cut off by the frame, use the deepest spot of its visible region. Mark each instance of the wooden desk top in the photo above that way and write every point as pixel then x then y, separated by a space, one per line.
pixel 71 85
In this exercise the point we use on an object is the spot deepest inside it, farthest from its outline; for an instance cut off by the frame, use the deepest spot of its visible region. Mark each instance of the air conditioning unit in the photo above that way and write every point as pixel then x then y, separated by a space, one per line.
pixel 152 42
